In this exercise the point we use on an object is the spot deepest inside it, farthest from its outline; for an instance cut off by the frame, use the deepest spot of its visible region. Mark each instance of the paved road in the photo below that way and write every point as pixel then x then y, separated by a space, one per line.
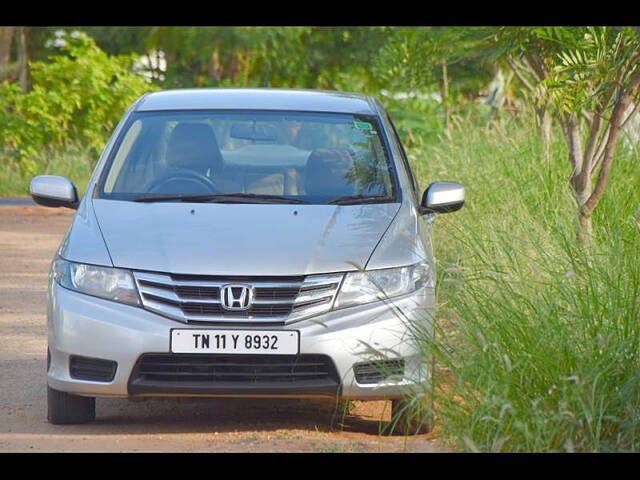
pixel 28 239
pixel 16 201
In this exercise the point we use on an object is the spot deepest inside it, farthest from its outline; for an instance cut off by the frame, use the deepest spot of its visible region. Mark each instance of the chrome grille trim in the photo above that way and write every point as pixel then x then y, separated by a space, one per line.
pixel 198 300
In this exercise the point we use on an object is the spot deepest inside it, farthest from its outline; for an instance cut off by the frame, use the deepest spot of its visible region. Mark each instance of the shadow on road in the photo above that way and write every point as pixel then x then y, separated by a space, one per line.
pixel 192 416
pixel 236 415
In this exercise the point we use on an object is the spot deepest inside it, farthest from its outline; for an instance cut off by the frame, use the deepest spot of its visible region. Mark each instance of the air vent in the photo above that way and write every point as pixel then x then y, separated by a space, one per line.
pixel 378 371
pixel 234 374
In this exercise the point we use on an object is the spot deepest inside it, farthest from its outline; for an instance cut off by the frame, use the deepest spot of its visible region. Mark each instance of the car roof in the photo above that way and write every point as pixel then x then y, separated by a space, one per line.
pixel 258 99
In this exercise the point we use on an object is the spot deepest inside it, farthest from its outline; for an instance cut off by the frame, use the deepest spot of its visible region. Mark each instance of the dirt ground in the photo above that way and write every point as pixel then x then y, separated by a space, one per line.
pixel 29 237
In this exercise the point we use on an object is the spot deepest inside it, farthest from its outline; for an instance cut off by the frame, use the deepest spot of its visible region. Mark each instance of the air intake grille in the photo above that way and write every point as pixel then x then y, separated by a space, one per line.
pixel 195 373
pixel 197 298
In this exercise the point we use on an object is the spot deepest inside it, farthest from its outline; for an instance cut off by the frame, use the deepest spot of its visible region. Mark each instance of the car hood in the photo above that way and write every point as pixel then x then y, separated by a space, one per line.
pixel 241 239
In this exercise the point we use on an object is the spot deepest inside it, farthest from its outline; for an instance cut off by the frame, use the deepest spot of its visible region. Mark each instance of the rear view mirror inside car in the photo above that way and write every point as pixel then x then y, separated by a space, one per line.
pixel 255 133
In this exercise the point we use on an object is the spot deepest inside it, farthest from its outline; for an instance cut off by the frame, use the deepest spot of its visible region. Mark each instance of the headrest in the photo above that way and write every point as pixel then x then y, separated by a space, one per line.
pixel 330 172
pixel 193 146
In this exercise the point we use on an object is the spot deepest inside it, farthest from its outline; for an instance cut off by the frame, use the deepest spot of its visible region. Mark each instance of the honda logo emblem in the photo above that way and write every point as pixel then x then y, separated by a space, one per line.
pixel 236 297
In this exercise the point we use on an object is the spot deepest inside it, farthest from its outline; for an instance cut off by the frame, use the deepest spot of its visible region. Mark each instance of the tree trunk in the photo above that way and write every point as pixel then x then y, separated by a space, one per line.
pixel 615 121
pixel 158 72
pixel 444 95
pixel 215 67
pixel 23 60
pixel 267 74
pixel 234 69
pixel 585 230
pixel 6 35
pixel 584 165
pixel 580 185
pixel 246 68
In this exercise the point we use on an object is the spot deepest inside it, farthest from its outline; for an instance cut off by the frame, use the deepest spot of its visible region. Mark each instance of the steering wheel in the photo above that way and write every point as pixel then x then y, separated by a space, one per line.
pixel 179 177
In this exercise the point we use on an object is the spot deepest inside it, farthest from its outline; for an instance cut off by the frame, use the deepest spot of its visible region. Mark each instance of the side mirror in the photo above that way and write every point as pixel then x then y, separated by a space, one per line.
pixel 442 197
pixel 53 191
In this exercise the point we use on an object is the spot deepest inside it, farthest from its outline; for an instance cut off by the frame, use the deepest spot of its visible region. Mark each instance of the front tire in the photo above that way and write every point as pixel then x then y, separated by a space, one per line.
pixel 66 409
pixel 410 416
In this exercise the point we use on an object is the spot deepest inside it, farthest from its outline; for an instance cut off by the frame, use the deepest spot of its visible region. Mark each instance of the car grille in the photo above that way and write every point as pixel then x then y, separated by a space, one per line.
pixel 236 374
pixel 197 298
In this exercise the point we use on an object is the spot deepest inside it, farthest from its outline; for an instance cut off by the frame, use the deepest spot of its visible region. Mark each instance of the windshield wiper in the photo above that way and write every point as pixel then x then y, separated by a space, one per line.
pixel 237 197
pixel 162 198
pixel 359 199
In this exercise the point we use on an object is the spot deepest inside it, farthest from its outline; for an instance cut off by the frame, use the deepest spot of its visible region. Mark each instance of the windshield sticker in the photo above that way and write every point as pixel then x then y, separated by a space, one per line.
pixel 366 126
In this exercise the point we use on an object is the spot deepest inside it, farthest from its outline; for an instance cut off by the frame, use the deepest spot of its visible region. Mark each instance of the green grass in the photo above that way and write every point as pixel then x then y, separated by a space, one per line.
pixel 538 339
pixel 75 163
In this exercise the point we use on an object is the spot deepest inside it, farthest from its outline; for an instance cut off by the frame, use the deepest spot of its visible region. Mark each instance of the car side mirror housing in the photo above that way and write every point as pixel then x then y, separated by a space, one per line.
pixel 53 191
pixel 442 197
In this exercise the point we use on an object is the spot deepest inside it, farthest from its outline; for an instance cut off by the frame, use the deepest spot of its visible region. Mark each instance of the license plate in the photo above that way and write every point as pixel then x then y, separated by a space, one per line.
pixel 267 342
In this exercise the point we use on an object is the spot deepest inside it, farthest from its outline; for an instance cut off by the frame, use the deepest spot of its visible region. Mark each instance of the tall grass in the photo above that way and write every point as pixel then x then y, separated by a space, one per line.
pixel 537 345
pixel 74 162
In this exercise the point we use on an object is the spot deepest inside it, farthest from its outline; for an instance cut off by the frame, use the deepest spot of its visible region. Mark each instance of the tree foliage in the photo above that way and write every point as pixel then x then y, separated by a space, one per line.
pixel 589 77
pixel 412 58
pixel 302 57
pixel 80 95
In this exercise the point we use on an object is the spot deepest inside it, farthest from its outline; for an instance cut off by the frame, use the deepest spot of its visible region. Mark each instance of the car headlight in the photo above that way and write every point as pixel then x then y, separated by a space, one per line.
pixel 373 285
pixel 111 283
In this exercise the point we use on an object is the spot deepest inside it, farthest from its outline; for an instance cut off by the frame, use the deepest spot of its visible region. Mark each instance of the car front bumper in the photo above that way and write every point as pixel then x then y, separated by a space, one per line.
pixel 86 326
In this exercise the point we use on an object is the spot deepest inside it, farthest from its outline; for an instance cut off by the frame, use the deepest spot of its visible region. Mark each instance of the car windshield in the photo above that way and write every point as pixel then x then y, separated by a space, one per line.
pixel 252 157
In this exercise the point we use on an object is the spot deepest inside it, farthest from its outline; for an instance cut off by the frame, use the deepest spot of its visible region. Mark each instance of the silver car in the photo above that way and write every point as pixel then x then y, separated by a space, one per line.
pixel 244 243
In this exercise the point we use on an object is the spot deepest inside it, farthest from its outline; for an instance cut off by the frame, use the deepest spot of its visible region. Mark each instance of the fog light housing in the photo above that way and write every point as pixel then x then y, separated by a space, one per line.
pixel 378 371
pixel 92 369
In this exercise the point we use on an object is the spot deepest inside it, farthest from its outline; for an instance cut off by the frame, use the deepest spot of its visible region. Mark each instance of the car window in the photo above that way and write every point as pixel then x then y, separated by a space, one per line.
pixel 313 157
pixel 118 161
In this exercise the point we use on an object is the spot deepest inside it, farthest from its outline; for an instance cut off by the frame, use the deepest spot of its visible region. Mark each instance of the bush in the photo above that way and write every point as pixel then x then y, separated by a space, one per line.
pixel 78 97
